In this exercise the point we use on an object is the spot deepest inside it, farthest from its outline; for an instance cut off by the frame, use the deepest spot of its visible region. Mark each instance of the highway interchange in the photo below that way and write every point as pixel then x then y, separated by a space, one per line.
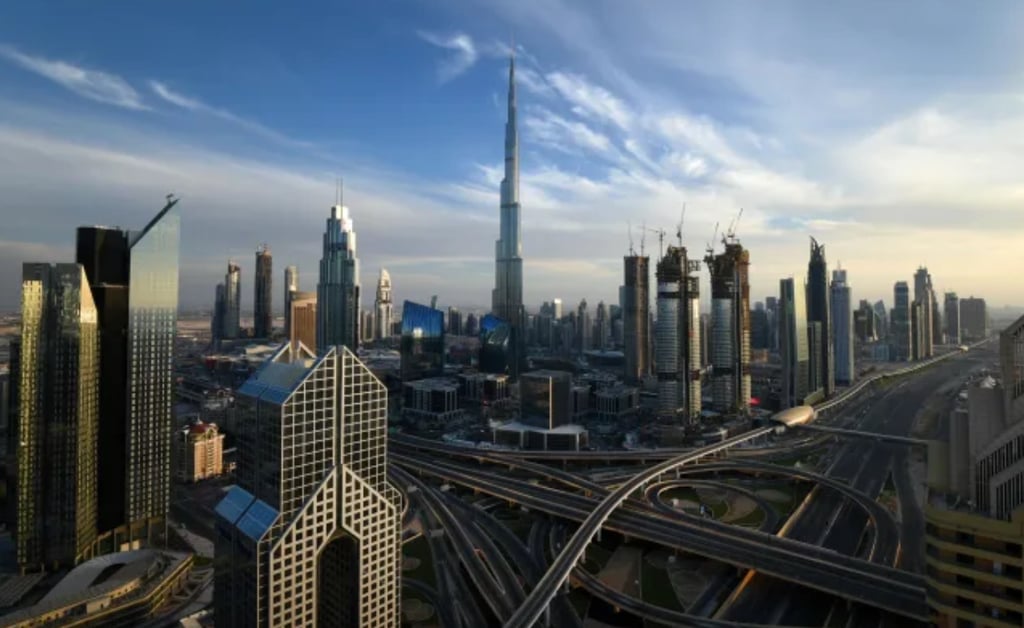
pixel 840 558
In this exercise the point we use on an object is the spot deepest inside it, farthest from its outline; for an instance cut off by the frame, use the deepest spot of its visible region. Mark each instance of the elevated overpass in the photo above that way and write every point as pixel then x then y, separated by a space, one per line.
pixel 883 438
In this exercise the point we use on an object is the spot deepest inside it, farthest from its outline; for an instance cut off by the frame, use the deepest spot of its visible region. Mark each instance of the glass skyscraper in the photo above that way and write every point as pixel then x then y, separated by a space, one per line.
pixel 55 369
pixel 232 301
pixel 495 341
pixel 819 308
pixel 263 283
pixel 793 344
pixel 338 289
pixel 422 345
pixel 134 279
pixel 311 534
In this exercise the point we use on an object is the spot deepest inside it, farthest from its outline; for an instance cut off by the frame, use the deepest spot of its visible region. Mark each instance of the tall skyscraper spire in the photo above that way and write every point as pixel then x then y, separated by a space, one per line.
pixel 338 289
pixel 507 299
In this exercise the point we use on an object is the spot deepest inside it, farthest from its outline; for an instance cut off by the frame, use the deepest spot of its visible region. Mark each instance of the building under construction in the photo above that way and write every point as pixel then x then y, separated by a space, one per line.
pixel 636 336
pixel 730 326
pixel 677 337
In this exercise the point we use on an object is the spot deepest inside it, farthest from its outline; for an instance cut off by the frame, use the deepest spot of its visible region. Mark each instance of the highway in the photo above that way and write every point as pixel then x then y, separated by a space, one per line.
pixel 531 610
pixel 653 494
pixel 801 563
pixel 866 466
pixel 886 544
pixel 451 584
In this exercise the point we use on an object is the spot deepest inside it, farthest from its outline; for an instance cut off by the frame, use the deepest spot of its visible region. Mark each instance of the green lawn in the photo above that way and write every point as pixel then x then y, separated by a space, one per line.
pixel 753 519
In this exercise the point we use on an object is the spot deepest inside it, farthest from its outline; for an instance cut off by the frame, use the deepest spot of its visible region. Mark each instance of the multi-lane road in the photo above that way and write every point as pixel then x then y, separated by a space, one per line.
pixel 840 544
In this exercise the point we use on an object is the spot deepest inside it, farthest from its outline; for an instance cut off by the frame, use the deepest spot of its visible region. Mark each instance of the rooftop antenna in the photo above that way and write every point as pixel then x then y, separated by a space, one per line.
pixel 629 234
pixel 341 191
pixel 643 237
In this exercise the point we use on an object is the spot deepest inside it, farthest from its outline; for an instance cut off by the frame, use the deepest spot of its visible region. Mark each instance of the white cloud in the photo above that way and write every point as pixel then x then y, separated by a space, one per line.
pixel 91 84
pixel 195 105
pixel 565 135
pixel 590 100
pixel 463 53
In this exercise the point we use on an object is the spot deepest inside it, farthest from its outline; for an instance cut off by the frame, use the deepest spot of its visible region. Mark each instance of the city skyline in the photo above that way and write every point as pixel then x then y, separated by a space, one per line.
pixel 588 128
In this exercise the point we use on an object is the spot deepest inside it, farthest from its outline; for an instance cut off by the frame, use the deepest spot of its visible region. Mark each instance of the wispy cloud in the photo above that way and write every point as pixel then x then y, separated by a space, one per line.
pixel 92 84
pixel 194 104
pixel 463 53
pixel 590 100
pixel 566 135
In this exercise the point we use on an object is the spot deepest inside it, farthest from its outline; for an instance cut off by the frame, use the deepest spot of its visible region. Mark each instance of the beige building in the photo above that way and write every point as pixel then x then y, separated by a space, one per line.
pixel 199 452
pixel 303 319
pixel 974 518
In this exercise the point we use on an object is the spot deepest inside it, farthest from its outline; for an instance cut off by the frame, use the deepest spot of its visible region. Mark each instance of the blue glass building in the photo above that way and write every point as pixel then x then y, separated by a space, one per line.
pixel 422 343
pixel 495 344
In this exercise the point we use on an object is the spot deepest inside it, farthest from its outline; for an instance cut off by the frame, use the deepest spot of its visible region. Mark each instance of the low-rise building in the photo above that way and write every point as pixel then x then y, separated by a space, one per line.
pixel 122 589
pixel 199 452
pixel 433 400
pixel 484 388
pixel 616 403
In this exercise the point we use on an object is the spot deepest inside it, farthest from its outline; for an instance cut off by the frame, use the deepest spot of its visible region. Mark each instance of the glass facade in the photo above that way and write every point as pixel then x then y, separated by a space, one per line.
pixel 338 289
pixel 264 285
pixel 422 344
pixel 134 279
pixel 53 431
pixel 152 326
pixel 311 534
pixel 495 344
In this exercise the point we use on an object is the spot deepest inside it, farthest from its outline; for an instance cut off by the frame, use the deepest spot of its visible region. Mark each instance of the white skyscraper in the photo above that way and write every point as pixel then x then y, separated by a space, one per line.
pixel 383 314
pixel 507 298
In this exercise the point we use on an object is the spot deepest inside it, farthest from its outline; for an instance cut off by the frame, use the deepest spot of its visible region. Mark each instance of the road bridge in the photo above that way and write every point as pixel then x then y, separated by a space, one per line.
pixel 883 438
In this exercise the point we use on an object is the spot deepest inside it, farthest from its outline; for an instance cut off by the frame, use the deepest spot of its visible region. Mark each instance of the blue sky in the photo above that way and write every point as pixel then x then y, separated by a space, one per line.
pixel 889 131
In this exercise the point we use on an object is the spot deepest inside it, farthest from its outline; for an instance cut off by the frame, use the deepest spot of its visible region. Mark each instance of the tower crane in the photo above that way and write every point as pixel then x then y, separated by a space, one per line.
pixel 679 227
pixel 711 244
pixel 661 239
pixel 733 226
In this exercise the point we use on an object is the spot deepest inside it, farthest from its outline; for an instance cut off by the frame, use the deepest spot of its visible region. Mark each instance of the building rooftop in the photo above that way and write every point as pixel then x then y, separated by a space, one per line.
pixel 100 577
pixel 434 383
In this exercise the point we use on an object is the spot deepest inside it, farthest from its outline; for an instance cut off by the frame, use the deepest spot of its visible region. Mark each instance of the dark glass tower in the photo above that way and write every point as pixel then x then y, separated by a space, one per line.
pixel 793 344
pixel 52 436
pixel 819 311
pixel 134 280
pixel 263 320
pixel 422 344
pixel 636 329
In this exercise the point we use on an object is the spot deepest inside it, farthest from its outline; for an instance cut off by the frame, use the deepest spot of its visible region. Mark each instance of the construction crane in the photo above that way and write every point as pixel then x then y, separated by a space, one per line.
pixel 679 227
pixel 661 240
pixel 711 244
pixel 734 224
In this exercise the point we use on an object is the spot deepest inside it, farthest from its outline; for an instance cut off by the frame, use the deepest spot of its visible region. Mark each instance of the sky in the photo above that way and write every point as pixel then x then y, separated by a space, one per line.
pixel 891 132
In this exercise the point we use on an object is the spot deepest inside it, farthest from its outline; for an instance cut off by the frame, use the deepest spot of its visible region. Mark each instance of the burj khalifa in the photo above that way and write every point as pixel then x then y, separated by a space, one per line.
pixel 507 298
